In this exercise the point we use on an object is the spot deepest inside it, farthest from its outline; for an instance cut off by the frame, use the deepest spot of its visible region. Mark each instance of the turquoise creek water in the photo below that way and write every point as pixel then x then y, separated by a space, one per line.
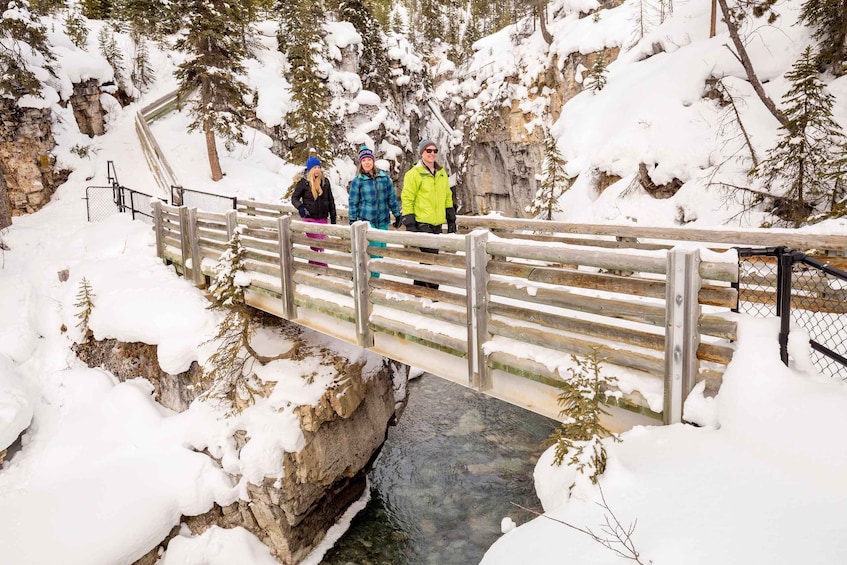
pixel 447 475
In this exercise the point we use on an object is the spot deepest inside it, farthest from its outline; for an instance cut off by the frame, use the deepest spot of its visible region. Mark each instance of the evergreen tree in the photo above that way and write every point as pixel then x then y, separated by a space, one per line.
pixel 145 18
pixel 597 75
pixel 582 432
pixel 310 121
pixel 142 71
pixel 554 181
pixel 96 9
pixel 829 20
pixel 23 40
pixel 803 167
pixel 214 45
pixel 373 62
pixel 112 53
pixel 85 307
pixel 75 28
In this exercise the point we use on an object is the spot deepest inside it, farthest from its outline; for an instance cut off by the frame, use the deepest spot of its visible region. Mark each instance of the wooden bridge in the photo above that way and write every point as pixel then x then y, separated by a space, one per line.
pixel 516 298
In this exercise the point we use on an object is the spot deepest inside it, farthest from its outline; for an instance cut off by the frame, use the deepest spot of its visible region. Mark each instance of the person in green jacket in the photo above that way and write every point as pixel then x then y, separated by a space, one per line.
pixel 427 201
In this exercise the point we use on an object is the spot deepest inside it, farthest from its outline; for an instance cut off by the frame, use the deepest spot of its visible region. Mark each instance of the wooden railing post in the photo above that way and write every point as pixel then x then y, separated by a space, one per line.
pixel 681 332
pixel 194 240
pixel 158 228
pixel 361 278
pixel 286 268
pixel 477 301
pixel 184 242
pixel 231 222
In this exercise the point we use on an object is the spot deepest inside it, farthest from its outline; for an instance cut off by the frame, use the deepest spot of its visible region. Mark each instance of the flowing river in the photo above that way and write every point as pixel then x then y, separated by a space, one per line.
pixel 447 475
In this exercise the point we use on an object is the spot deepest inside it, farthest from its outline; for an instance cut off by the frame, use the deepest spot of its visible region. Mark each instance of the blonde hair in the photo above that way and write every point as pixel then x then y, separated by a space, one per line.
pixel 315 178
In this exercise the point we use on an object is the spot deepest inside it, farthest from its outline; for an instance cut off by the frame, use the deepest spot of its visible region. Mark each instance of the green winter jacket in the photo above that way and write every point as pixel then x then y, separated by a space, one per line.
pixel 426 196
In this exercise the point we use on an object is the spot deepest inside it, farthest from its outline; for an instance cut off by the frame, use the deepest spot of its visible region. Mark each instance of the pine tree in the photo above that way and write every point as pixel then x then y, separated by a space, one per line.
pixel 214 44
pixel 112 53
pixel 597 74
pixel 829 20
pixel 142 71
pixel 85 307
pixel 554 181
pixel 309 122
pixel 21 29
pixel 802 169
pixel 373 61
pixel 96 9
pixel 75 28
pixel 582 432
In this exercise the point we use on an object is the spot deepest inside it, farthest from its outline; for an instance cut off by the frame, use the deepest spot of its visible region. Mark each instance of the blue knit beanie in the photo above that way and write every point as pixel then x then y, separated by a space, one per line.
pixel 424 144
pixel 365 153
pixel 312 162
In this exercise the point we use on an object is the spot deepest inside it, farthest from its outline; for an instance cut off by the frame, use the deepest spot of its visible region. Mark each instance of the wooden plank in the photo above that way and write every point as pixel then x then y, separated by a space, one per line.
pixel 714 353
pixel 560 343
pixel 621 309
pixel 416 255
pixel 329 284
pixel 418 291
pixel 329 271
pixel 616 243
pixel 340 245
pixel 421 335
pixel 271 269
pixel 334 230
pixel 611 260
pixel 717 326
pixel 419 272
pixel 414 306
pixel 336 259
pixel 520 316
pixel 443 242
pixel 212 235
pixel 263 234
pixel 759 237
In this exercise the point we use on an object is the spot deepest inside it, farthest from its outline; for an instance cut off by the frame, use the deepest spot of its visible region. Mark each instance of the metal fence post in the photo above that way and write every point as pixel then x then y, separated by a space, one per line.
pixel 361 279
pixel 681 333
pixel 286 268
pixel 783 300
pixel 477 302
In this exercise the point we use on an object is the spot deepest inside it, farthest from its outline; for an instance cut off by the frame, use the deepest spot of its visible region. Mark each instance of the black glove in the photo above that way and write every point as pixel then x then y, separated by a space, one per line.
pixel 398 221
pixel 451 219
pixel 410 221
pixel 332 219
pixel 304 212
pixel 451 227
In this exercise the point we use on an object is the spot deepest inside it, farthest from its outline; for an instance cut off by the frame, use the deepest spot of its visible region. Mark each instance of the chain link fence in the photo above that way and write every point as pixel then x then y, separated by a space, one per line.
pixel 105 201
pixel 207 201
pixel 804 293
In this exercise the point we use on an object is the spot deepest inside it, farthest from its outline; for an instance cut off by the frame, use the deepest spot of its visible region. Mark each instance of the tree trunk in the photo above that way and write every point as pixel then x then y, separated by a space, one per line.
pixel 212 150
pixel 714 19
pixel 541 10
pixel 5 207
pixel 744 58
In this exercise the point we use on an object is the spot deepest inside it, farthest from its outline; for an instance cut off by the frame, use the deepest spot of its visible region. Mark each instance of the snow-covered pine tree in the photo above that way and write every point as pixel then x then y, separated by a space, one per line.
pixel 828 18
pixel 554 181
pixel 309 123
pixel 112 53
pixel 213 40
pixel 142 74
pixel 802 169
pixel 21 29
pixel 373 61
pixel 75 27
pixel 85 306
pixel 581 434
pixel 597 75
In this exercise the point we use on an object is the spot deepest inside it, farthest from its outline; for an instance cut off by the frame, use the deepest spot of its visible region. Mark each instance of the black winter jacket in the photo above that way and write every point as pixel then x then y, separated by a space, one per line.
pixel 318 209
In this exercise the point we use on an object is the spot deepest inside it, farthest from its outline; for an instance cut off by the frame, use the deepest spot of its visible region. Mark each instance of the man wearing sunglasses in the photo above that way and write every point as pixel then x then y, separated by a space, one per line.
pixel 427 200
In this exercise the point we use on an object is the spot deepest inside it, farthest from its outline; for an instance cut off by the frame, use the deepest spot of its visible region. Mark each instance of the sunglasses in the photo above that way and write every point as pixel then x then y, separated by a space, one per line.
pixel 430 150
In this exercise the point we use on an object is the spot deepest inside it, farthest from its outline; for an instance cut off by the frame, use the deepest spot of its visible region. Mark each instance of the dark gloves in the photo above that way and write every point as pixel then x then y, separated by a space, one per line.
pixel 398 221
pixel 409 220
pixel 304 212
pixel 332 219
pixel 451 220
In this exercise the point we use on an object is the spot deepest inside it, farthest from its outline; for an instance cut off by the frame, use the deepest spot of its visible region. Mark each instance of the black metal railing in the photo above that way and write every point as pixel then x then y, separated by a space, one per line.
pixel 181 196
pixel 804 293
pixel 105 201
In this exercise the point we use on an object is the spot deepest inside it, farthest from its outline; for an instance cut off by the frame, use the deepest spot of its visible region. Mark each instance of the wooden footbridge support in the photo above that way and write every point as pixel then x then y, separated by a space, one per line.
pixel 514 301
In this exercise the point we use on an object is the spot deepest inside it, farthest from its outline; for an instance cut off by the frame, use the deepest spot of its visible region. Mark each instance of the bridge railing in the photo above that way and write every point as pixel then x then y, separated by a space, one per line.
pixel 507 307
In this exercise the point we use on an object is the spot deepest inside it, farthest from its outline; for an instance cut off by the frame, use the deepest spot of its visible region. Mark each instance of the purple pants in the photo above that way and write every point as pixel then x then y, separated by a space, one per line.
pixel 316 236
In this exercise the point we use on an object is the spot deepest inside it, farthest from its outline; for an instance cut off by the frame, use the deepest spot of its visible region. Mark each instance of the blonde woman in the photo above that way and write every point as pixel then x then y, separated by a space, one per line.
pixel 313 199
